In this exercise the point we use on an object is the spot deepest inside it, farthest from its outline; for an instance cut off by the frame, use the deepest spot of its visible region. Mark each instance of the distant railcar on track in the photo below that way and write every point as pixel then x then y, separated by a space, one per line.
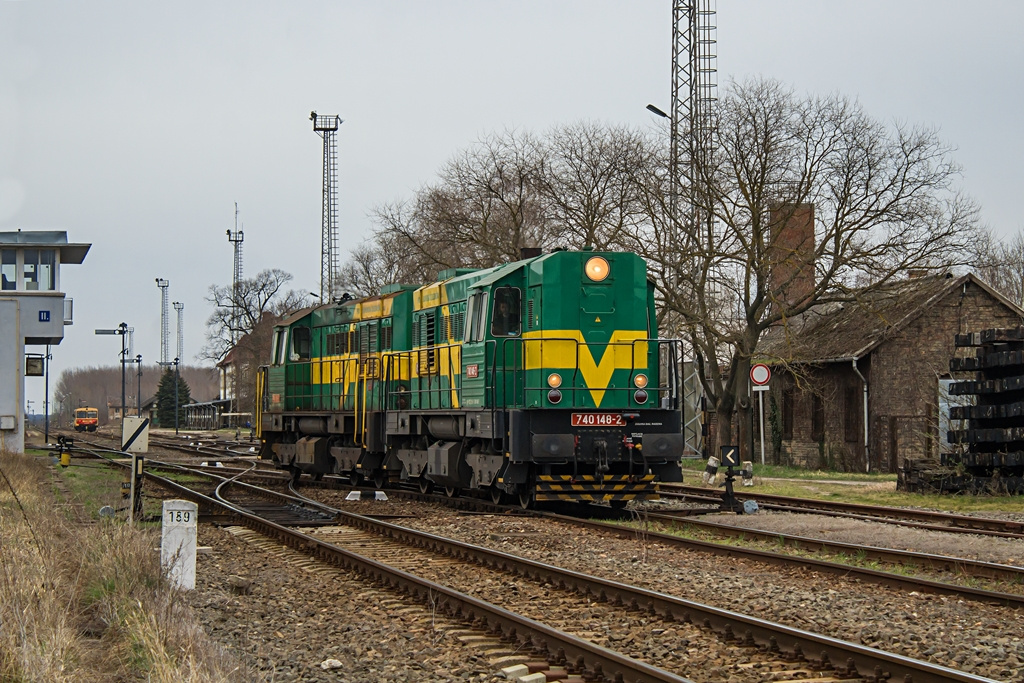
pixel 538 380
pixel 86 419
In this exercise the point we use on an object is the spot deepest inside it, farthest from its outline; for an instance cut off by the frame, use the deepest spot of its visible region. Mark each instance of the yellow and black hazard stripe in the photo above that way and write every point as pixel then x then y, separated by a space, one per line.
pixel 591 488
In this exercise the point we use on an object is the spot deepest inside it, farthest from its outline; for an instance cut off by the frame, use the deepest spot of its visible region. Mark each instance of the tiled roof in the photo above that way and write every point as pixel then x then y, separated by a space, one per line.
pixel 842 331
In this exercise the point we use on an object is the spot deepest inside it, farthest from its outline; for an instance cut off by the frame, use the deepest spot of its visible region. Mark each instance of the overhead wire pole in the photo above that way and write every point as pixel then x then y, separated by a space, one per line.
pixel 327 127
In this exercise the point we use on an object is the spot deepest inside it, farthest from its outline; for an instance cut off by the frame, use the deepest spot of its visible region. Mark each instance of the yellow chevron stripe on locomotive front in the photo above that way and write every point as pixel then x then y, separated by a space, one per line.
pixel 557 349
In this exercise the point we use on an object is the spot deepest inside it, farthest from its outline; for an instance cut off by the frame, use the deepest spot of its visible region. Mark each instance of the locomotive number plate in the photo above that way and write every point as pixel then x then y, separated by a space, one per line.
pixel 597 420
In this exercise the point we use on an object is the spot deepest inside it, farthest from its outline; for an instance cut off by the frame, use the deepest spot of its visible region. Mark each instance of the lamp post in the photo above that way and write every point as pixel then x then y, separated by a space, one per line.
pixel 138 395
pixel 175 396
pixel 46 396
pixel 122 330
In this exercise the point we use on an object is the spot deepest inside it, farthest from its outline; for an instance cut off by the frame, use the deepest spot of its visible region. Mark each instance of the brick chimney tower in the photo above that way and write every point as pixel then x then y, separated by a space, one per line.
pixel 791 253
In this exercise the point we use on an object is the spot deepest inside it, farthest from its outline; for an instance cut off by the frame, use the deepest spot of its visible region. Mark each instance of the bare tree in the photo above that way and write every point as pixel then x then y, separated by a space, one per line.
pixel 237 312
pixel 574 187
pixel 588 184
pixel 484 207
pixel 883 199
pixel 1001 264
pixel 247 315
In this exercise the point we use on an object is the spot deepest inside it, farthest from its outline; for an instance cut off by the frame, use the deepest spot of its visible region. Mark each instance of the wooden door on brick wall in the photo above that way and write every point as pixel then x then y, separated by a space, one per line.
pixel 898 438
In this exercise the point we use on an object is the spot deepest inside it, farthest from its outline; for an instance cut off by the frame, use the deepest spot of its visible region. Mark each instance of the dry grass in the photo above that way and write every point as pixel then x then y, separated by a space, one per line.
pixel 87 602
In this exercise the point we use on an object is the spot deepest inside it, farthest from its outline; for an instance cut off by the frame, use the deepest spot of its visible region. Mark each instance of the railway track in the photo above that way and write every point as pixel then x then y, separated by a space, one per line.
pixel 910 517
pixel 958 569
pixel 382 546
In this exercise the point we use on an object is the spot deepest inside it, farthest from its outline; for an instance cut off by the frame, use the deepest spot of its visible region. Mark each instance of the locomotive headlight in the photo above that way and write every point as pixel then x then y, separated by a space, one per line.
pixel 597 268
pixel 554 395
pixel 554 380
pixel 640 396
pixel 640 381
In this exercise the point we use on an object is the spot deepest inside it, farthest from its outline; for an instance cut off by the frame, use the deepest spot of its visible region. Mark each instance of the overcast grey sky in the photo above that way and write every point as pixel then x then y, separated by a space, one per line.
pixel 136 126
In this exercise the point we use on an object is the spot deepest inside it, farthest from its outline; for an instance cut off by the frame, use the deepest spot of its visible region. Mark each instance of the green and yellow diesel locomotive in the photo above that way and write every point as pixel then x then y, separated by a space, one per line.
pixel 538 380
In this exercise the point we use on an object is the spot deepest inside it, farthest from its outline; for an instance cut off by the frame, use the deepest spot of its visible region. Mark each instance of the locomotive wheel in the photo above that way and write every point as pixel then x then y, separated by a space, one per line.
pixel 497 495
pixel 452 491
pixel 425 485
pixel 379 479
pixel 354 478
pixel 318 476
pixel 525 497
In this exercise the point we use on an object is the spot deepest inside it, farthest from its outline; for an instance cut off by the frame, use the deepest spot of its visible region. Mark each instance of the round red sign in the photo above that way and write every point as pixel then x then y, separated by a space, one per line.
pixel 760 374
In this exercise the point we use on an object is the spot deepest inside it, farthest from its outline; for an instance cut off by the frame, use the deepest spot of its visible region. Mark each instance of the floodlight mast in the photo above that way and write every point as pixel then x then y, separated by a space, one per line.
pixel 163 285
pixel 327 128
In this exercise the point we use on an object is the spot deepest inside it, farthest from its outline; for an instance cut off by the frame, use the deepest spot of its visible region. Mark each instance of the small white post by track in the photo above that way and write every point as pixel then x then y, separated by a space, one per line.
pixel 178 542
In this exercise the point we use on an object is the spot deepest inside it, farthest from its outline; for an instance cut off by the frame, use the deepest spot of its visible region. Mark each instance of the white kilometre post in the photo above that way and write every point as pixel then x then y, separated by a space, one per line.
pixel 178 543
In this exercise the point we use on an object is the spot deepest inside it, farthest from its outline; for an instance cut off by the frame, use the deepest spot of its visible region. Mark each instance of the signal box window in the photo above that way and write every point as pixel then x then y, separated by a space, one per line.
pixel 39 269
pixel 506 319
pixel 9 268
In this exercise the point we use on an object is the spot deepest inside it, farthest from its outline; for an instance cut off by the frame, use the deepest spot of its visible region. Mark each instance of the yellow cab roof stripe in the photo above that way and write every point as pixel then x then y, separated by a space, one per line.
pixel 430 296
pixel 379 307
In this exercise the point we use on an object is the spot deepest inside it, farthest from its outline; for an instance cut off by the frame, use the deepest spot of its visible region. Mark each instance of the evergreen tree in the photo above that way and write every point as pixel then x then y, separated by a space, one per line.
pixel 165 399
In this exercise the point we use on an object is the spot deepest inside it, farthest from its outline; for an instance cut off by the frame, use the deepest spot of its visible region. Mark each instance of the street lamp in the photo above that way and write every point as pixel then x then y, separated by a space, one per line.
pixel 46 397
pixel 138 395
pixel 122 330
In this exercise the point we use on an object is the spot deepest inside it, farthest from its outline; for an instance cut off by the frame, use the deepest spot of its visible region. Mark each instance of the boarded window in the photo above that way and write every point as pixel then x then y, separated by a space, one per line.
pixel 817 418
pixel 851 414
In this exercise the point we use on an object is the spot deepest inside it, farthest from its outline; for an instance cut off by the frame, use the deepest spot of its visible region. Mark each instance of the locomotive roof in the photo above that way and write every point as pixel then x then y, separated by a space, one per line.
pixel 456 288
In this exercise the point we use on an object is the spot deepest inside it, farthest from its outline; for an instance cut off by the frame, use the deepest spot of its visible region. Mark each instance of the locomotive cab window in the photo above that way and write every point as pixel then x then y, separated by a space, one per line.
pixel 277 354
pixel 476 316
pixel 301 343
pixel 506 318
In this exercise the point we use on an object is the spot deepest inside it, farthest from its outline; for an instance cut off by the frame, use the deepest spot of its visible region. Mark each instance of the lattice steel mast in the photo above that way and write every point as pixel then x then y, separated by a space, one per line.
pixel 163 285
pixel 235 237
pixel 694 91
pixel 178 308
pixel 327 127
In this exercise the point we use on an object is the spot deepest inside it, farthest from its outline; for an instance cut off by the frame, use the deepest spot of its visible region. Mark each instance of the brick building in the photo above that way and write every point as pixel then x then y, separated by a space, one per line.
pixel 858 386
